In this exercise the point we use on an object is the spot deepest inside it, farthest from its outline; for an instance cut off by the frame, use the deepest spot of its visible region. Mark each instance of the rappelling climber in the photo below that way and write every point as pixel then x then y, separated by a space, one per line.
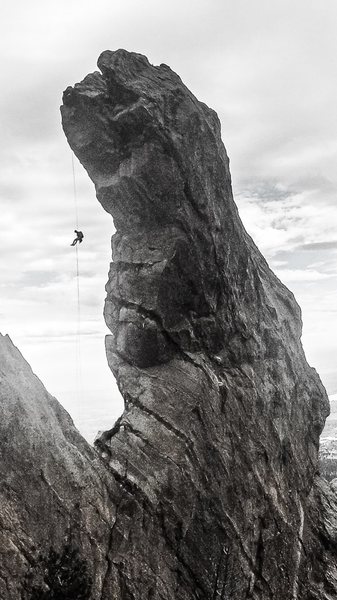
pixel 79 237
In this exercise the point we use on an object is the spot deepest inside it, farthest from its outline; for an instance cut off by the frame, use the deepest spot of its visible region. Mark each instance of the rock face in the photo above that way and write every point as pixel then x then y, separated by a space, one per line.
pixel 206 488
pixel 216 451
pixel 328 443
pixel 318 572
pixel 53 488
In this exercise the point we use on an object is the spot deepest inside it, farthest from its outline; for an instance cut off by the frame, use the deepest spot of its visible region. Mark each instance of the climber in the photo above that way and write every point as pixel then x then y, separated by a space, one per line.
pixel 79 237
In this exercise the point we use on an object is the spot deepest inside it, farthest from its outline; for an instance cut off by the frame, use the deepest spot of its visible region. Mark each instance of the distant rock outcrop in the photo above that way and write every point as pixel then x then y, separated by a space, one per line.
pixel 206 488
pixel 328 443
pixel 217 447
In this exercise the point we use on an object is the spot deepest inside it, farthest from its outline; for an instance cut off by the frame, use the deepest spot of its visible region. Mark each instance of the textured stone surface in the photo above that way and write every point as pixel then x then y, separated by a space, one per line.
pixel 207 486
pixel 217 447
pixel 328 443
pixel 318 572
pixel 53 487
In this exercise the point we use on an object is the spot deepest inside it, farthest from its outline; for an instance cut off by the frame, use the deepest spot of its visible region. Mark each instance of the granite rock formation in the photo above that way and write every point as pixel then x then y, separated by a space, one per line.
pixel 53 488
pixel 318 572
pixel 217 447
pixel 328 443
pixel 206 487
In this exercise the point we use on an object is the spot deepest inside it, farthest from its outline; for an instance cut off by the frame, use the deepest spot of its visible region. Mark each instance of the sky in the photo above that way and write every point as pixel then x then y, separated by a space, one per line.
pixel 268 68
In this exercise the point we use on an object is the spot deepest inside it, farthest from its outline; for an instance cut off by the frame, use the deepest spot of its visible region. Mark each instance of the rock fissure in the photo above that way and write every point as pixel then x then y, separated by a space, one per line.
pixel 145 440
pixel 109 553
pixel 177 432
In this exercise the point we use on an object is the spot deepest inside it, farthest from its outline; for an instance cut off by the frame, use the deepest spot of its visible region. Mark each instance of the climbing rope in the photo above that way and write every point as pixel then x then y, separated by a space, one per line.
pixel 74 191
pixel 78 331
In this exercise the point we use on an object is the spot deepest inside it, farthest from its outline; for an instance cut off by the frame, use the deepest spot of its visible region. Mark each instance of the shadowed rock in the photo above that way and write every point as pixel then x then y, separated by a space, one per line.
pixel 217 446
pixel 53 488
pixel 206 487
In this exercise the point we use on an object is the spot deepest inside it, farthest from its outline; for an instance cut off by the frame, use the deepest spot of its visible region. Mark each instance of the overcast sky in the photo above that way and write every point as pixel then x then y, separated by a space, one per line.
pixel 268 67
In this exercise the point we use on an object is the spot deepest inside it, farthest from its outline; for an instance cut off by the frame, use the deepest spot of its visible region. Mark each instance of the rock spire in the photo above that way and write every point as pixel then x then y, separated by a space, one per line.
pixel 206 488
pixel 219 438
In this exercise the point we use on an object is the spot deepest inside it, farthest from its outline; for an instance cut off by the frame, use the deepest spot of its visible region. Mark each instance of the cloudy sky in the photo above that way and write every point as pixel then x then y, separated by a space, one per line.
pixel 268 67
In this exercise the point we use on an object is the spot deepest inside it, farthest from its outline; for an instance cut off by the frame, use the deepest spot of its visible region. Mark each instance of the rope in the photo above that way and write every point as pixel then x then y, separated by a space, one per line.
pixel 75 192
pixel 78 331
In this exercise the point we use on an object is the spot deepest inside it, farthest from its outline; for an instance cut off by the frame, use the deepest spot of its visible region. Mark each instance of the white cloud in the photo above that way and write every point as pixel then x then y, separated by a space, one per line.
pixel 298 275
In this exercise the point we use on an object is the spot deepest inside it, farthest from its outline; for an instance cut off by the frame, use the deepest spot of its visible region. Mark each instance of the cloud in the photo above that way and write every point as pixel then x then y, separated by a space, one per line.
pixel 282 219
pixel 319 246
pixel 297 275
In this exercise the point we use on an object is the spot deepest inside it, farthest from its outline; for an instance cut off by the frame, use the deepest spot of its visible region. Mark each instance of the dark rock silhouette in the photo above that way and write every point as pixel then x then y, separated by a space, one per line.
pixel 206 487
pixel 220 434
pixel 53 487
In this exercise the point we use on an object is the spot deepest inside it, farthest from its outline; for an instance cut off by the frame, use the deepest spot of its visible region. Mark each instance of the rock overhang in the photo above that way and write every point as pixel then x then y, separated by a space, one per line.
pixel 190 297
